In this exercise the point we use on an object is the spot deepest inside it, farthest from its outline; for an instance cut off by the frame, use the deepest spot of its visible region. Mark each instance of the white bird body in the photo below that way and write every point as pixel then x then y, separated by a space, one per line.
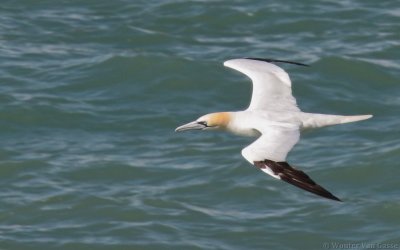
pixel 241 120
pixel 273 117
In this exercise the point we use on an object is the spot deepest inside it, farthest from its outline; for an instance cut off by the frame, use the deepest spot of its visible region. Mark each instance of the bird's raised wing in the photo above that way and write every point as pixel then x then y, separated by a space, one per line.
pixel 269 153
pixel 271 84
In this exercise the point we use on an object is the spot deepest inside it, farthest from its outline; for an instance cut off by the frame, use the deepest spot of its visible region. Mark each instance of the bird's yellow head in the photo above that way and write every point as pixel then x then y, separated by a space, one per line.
pixel 210 121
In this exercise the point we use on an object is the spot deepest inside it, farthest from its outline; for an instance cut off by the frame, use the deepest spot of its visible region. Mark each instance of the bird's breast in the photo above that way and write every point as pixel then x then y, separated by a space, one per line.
pixel 248 133
pixel 244 131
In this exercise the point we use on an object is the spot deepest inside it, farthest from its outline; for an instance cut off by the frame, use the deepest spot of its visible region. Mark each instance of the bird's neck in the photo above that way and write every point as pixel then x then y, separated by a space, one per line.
pixel 239 125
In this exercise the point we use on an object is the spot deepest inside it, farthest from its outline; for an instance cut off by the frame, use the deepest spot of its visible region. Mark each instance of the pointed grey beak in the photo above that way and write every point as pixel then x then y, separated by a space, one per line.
pixel 190 126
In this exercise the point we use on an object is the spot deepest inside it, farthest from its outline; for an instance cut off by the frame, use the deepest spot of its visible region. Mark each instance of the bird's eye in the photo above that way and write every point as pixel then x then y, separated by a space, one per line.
pixel 203 123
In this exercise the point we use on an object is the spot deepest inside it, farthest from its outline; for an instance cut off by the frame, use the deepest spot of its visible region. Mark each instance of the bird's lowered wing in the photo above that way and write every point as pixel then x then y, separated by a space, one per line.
pixel 271 84
pixel 275 142
pixel 269 152
pixel 289 174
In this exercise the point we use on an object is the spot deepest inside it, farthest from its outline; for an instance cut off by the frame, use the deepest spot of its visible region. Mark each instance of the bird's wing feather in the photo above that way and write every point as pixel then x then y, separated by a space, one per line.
pixel 269 153
pixel 271 85
pixel 274 144
pixel 291 175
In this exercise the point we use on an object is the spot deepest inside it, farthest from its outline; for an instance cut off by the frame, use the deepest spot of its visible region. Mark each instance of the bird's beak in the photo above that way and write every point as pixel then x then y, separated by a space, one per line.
pixel 190 126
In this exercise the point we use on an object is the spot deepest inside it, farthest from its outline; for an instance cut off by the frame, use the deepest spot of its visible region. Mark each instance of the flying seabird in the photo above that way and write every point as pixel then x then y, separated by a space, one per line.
pixel 274 118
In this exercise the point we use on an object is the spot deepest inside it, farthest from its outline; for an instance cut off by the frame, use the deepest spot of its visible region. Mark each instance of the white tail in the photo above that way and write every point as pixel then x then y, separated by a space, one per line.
pixel 321 120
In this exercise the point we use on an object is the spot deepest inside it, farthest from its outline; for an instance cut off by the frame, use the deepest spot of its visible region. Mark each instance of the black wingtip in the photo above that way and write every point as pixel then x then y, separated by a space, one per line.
pixel 275 60
pixel 336 198
pixel 312 188
pixel 295 177
pixel 329 195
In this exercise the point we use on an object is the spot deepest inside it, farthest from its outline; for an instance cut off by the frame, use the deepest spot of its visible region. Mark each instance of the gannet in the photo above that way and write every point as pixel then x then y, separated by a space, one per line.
pixel 274 118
